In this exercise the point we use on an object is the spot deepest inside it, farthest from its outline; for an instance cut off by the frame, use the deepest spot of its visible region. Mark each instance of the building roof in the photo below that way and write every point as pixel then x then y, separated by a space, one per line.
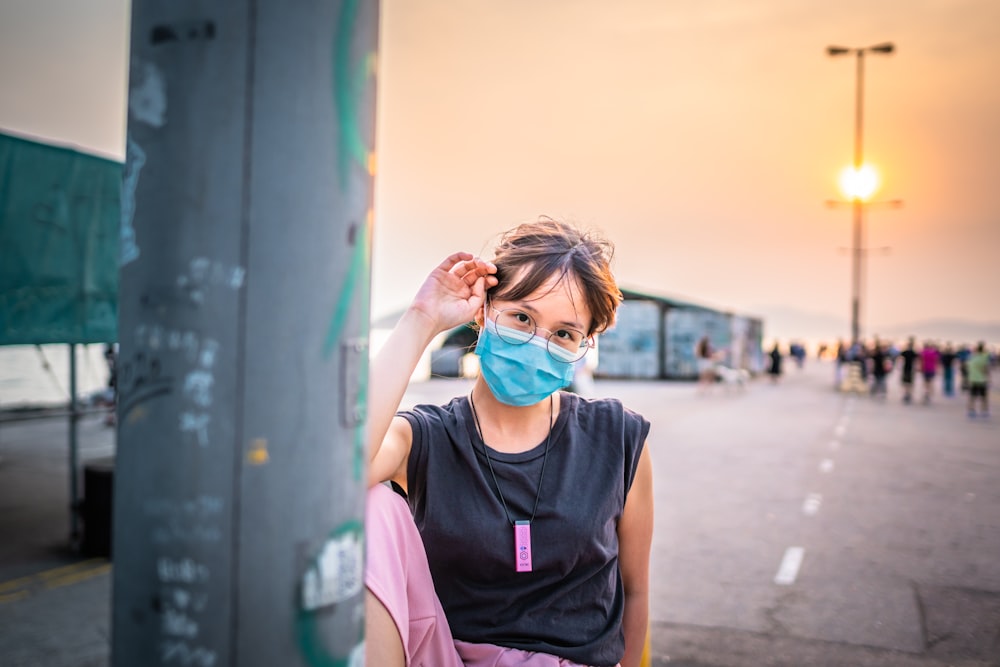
pixel 671 301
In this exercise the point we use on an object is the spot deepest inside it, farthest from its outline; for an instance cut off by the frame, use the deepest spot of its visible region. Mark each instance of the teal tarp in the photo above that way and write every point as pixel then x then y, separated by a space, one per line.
pixel 59 218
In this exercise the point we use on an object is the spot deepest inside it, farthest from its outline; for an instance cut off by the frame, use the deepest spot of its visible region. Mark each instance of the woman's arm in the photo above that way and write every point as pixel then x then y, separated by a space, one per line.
pixel 451 295
pixel 635 537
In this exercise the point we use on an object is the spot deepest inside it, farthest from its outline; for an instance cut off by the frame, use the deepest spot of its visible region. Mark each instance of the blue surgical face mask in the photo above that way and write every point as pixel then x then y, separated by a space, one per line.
pixel 522 374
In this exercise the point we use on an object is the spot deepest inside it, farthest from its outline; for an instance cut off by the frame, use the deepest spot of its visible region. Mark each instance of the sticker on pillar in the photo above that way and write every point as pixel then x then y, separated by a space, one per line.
pixel 337 574
pixel 135 158
pixel 147 95
pixel 258 455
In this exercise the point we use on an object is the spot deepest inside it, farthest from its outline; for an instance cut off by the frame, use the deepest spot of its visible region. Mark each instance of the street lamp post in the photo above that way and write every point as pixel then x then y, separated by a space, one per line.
pixel 857 206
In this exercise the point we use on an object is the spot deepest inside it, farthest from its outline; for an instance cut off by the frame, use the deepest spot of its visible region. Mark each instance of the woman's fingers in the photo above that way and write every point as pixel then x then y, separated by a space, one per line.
pixel 479 287
pixel 472 269
pixel 454 259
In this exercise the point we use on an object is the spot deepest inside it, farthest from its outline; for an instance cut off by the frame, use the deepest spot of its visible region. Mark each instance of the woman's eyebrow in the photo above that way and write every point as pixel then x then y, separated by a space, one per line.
pixel 523 305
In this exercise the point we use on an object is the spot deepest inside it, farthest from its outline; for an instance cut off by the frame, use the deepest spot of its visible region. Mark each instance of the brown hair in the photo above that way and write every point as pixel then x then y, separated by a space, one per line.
pixel 534 251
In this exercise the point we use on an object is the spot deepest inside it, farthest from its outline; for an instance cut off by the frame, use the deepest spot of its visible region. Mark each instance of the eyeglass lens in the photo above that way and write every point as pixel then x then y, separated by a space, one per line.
pixel 517 327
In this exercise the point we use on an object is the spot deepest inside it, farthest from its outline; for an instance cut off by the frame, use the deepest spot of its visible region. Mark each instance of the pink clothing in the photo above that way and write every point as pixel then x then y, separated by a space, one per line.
pixel 929 360
pixel 398 575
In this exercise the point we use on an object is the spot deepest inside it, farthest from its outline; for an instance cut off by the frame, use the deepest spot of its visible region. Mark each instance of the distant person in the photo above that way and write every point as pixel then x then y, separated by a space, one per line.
pixel 798 352
pixel 979 380
pixel 774 369
pixel 879 370
pixel 948 357
pixel 929 357
pixel 963 355
pixel 841 359
pixel 111 359
pixel 909 359
pixel 705 360
pixel 856 356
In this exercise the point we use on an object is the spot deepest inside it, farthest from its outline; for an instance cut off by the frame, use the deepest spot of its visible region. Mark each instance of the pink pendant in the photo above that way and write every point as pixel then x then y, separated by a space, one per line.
pixel 522 546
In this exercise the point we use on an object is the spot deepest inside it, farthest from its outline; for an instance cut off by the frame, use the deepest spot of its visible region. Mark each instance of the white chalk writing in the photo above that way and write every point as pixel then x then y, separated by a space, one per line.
pixel 181 570
pixel 197 423
pixel 183 654
pixel 338 573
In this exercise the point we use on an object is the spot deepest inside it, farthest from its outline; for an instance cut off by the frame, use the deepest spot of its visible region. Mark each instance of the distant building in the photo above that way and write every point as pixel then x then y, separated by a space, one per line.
pixel 655 338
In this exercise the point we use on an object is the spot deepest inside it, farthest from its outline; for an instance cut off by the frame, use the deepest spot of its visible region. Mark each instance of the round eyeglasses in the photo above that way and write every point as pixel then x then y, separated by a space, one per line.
pixel 517 327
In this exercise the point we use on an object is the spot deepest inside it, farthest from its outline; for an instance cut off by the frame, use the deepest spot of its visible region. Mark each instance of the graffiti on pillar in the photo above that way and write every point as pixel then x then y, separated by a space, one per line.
pixel 353 83
pixel 351 80
pixel 182 603
pixel 337 573
pixel 182 31
pixel 135 158
pixel 355 375
pixel 333 582
pixel 147 95
pixel 203 273
pixel 188 522
pixel 198 385
pixel 357 268
pixel 147 104
pixel 141 377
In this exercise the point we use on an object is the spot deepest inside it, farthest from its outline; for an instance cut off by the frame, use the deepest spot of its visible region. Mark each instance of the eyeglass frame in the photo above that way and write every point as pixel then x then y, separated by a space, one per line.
pixel 586 344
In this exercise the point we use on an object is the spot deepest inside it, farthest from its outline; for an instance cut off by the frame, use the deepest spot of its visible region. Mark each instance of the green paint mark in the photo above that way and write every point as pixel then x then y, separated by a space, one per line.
pixel 358 267
pixel 348 91
pixel 359 434
pixel 350 80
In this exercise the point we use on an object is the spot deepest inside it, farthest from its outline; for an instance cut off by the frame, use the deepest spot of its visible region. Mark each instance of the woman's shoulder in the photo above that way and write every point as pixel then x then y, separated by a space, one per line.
pixel 603 412
pixel 587 405
pixel 448 412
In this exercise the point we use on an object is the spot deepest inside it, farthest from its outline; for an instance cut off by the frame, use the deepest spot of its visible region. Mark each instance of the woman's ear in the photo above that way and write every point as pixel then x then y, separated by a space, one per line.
pixel 480 318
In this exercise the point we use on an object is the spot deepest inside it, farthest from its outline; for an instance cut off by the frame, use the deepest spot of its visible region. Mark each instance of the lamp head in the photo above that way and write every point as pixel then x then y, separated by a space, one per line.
pixel 859 183
pixel 837 50
pixel 887 47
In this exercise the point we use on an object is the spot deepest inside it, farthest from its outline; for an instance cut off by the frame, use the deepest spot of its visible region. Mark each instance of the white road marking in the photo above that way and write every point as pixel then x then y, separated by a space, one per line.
pixel 840 430
pixel 826 465
pixel 835 445
pixel 812 503
pixel 790 565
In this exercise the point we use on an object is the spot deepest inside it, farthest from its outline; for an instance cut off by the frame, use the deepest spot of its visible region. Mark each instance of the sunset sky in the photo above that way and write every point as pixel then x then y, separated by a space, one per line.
pixel 702 137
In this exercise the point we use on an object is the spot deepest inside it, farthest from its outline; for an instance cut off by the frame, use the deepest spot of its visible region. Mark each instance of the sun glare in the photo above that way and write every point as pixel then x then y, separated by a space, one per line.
pixel 859 183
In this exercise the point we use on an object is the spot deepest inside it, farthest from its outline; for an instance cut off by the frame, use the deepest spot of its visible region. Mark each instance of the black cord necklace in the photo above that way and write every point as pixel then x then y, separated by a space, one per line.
pixel 522 529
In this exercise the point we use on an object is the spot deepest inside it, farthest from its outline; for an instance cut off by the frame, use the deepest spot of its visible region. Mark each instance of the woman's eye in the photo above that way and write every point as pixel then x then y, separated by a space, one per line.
pixel 522 318
pixel 565 335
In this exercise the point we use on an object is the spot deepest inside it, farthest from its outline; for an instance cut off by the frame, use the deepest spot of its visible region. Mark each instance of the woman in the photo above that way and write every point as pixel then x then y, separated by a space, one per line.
pixel 531 508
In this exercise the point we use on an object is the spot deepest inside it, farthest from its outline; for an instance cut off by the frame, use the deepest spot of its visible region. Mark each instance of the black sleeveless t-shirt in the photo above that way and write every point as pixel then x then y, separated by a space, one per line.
pixel 571 603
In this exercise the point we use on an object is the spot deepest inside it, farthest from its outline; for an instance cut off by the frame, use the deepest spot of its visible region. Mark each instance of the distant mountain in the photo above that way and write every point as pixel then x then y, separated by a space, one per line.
pixel 945 330
pixel 785 323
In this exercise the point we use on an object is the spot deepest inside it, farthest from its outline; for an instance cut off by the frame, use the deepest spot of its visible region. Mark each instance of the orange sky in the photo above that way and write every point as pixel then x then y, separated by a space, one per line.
pixel 703 137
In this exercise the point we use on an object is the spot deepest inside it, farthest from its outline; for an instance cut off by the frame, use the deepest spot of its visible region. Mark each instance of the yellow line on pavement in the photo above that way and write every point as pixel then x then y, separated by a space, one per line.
pixel 22 587
pixel 13 597
pixel 76 577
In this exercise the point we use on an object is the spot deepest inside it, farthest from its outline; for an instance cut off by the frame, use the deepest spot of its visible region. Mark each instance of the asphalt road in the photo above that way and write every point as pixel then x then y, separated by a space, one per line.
pixel 795 525
pixel 800 526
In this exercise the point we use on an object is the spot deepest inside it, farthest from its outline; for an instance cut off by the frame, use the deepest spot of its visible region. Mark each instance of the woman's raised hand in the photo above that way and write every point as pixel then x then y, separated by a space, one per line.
pixel 454 291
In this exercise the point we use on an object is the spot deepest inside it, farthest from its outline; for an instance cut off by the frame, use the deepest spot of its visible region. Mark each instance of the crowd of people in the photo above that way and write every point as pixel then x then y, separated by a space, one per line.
pixel 958 369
